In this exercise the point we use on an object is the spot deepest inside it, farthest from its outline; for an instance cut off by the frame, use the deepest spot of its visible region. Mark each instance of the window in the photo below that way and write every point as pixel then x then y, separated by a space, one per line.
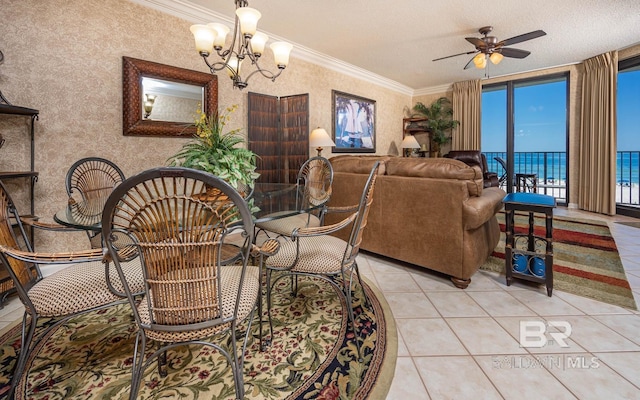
pixel 628 147
pixel 524 123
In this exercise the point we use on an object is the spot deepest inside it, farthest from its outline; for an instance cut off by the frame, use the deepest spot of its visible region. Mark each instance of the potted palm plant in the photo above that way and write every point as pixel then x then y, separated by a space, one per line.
pixel 215 151
pixel 439 121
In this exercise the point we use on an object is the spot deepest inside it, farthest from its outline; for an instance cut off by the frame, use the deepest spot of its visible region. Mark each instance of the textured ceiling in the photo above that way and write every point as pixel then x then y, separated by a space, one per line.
pixel 398 40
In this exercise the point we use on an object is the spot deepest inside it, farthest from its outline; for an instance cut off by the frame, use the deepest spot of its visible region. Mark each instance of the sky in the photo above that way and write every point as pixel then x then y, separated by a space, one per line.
pixel 541 113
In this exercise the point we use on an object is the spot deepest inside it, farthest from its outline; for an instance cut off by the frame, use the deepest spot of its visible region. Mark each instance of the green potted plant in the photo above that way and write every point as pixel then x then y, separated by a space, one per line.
pixel 215 151
pixel 439 121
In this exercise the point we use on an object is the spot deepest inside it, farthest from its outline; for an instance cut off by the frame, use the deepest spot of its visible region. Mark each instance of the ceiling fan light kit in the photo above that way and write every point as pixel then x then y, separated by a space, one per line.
pixel 488 47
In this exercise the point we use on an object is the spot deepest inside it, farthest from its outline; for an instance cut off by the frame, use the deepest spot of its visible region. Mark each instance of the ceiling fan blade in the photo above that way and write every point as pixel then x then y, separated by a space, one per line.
pixel 514 53
pixel 470 63
pixel 479 43
pixel 455 55
pixel 522 38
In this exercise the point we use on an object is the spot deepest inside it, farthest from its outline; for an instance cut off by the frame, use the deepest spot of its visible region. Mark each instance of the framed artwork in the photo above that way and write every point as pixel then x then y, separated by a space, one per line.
pixel 354 123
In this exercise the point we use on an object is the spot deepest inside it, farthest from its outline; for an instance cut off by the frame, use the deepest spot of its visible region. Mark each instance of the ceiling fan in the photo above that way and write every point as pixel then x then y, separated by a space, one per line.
pixel 489 47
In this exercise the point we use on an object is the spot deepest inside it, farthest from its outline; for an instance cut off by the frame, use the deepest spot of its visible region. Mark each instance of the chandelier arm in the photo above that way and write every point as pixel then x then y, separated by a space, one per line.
pixel 264 72
pixel 214 67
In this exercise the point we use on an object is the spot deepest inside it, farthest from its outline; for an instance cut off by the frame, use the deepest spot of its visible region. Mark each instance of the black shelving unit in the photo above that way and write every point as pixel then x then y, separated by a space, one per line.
pixel 6 286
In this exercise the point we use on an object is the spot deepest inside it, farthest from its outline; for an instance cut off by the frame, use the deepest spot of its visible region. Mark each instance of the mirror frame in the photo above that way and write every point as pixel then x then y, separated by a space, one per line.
pixel 132 72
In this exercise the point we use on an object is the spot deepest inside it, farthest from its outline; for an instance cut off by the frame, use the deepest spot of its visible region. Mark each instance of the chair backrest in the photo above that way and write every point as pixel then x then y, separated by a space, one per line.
pixel 315 179
pixel 24 274
pixel 502 163
pixel 90 180
pixel 182 223
pixel 355 238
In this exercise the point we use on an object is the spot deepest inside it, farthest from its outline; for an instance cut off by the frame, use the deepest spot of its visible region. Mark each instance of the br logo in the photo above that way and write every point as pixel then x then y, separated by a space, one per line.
pixel 537 333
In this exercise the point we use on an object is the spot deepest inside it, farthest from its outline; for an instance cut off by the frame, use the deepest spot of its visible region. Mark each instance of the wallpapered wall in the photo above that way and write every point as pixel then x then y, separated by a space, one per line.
pixel 64 58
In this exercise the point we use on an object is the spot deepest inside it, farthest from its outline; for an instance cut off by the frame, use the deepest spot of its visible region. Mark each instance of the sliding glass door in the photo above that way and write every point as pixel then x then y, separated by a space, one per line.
pixel 524 127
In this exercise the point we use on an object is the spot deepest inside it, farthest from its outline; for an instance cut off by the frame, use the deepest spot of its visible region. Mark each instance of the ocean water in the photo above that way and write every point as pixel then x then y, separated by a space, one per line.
pixel 552 165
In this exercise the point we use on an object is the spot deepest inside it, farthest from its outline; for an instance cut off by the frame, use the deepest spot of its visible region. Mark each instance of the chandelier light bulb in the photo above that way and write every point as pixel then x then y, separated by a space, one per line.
pixel 221 34
pixel 248 20
pixel 233 67
pixel 204 36
pixel 258 41
pixel 281 52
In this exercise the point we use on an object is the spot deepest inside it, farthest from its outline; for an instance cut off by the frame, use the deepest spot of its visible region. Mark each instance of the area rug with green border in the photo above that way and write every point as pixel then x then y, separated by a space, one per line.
pixel 585 258
pixel 312 355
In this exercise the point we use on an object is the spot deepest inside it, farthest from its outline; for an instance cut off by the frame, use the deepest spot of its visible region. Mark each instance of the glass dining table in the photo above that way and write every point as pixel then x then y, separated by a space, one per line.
pixel 269 201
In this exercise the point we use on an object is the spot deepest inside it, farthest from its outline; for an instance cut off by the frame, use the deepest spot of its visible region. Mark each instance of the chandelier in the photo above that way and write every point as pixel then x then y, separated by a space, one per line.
pixel 245 44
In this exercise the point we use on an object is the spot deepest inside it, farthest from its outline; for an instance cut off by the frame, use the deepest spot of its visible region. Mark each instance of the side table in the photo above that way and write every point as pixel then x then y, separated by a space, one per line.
pixel 529 256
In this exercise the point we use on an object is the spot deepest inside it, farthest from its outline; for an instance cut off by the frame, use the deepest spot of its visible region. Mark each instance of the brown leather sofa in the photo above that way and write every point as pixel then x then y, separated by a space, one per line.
pixel 431 212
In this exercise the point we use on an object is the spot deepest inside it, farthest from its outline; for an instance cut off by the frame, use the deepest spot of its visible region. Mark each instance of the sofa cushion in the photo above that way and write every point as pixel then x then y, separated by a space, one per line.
pixel 358 164
pixel 438 168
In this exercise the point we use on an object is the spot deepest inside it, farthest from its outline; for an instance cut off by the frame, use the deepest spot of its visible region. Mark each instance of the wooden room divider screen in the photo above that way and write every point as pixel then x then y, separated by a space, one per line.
pixel 278 130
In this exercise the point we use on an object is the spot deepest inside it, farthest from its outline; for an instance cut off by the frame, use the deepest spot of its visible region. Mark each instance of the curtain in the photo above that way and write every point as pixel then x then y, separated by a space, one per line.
pixel 466 109
pixel 597 156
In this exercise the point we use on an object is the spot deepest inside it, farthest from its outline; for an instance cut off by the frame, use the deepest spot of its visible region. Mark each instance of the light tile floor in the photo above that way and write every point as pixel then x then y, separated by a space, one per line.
pixel 464 344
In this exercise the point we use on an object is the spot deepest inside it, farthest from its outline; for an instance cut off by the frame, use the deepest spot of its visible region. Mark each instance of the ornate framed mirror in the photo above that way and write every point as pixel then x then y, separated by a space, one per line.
pixel 161 100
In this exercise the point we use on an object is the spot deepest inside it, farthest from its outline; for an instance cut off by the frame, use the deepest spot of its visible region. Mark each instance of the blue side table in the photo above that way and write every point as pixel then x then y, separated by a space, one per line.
pixel 529 256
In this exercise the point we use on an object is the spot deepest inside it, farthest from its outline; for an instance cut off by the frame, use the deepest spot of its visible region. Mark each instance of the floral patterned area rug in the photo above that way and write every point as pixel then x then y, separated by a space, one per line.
pixel 312 355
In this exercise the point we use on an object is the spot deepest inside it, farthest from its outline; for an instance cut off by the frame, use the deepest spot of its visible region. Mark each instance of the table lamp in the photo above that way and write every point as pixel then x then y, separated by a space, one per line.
pixel 319 138
pixel 409 142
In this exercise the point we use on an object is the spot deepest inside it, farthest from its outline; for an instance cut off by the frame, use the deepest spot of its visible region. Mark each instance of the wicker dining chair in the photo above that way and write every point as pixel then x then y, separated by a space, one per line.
pixel 181 221
pixel 314 252
pixel 89 182
pixel 313 188
pixel 79 288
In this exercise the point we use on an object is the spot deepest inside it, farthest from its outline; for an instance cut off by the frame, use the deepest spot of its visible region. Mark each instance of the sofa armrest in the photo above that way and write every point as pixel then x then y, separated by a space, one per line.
pixel 478 210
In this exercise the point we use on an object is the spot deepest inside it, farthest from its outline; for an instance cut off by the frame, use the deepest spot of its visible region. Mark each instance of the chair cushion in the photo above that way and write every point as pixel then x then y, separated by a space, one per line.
pixel 230 277
pixel 80 287
pixel 284 226
pixel 318 255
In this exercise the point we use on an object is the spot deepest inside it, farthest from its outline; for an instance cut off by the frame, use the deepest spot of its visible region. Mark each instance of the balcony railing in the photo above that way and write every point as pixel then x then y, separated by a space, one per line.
pixel 550 170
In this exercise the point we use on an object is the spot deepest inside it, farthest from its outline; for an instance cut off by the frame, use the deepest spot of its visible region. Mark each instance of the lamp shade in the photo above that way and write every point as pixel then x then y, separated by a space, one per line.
pixel 409 142
pixel 248 20
pixel 233 66
pixel 221 34
pixel 204 36
pixel 480 60
pixel 257 43
pixel 281 51
pixel 496 57
pixel 320 138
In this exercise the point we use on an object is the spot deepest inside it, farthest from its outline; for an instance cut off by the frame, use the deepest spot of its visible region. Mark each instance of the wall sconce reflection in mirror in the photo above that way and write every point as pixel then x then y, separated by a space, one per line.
pixel 149 99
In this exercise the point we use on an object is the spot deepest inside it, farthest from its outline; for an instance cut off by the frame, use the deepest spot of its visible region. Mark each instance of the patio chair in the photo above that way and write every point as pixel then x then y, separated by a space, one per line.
pixel 89 182
pixel 180 221
pixel 502 180
pixel 79 288
pixel 314 252
pixel 313 189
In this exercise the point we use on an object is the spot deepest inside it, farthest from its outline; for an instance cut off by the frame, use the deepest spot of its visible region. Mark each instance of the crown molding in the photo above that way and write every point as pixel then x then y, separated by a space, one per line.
pixel 433 90
pixel 196 14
